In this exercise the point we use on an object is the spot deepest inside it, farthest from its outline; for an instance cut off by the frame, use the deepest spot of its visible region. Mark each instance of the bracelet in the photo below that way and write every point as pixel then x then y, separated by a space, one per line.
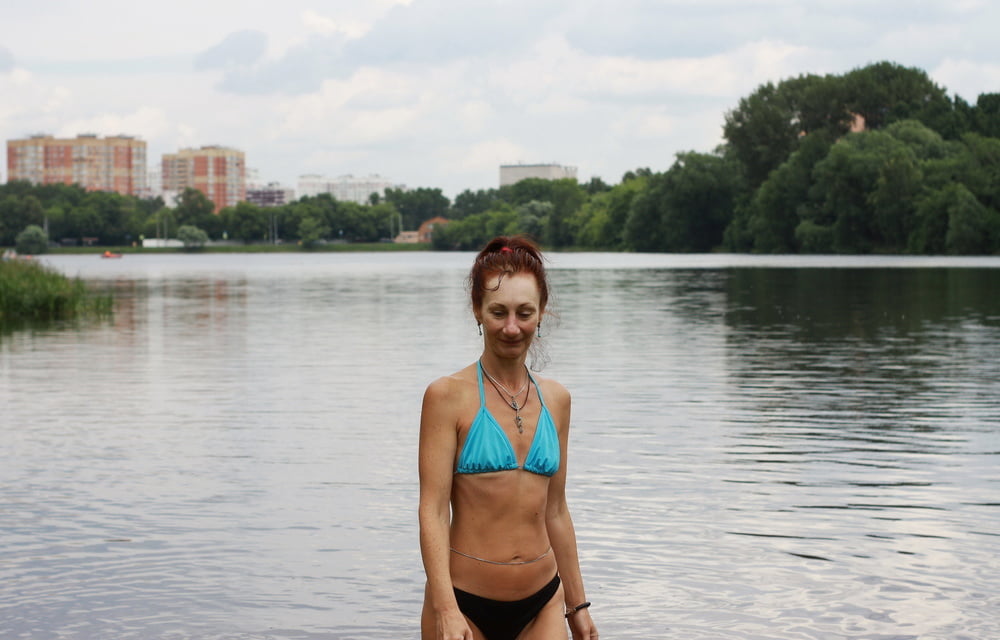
pixel 577 608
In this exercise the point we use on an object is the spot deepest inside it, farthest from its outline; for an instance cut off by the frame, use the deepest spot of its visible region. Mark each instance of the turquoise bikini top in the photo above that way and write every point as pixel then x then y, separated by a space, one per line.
pixel 487 448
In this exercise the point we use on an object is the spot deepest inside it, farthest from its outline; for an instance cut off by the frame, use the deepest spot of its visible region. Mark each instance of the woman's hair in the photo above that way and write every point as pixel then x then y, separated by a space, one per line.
pixel 507 255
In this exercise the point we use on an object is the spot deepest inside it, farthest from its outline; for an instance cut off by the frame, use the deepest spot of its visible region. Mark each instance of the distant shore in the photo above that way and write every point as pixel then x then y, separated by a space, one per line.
pixel 247 248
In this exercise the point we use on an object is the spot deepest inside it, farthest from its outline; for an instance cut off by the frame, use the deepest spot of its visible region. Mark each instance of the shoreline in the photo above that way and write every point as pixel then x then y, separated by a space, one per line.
pixel 244 248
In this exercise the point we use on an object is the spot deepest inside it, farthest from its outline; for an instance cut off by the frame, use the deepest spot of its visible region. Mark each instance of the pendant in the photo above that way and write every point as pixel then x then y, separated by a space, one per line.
pixel 520 425
pixel 513 405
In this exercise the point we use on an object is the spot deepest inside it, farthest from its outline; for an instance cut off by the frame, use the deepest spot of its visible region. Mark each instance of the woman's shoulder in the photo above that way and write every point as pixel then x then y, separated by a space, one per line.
pixel 553 390
pixel 452 386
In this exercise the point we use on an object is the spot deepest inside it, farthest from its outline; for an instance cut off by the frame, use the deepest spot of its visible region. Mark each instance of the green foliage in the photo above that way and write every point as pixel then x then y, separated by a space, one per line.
pixel 30 291
pixel 246 222
pixel 192 236
pixel 685 209
pixel 972 228
pixel 469 202
pixel 885 92
pixel 887 191
pixel 418 205
pixel 565 196
pixel 767 126
pixel 311 231
pixel 32 241
pixel 18 211
pixel 195 209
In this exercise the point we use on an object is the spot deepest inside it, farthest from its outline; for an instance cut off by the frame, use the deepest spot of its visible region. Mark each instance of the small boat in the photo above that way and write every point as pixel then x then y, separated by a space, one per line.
pixel 108 254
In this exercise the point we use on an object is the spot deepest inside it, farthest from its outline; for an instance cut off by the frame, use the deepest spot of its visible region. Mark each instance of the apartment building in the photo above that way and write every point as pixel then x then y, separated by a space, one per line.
pixel 512 173
pixel 272 194
pixel 345 188
pixel 112 163
pixel 218 172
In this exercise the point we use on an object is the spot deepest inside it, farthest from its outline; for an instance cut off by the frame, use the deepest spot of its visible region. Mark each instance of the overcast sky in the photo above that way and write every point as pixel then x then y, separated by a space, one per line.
pixel 439 93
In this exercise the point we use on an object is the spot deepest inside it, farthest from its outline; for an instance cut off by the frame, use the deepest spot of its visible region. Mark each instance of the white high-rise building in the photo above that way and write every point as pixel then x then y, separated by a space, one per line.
pixel 345 188
pixel 511 173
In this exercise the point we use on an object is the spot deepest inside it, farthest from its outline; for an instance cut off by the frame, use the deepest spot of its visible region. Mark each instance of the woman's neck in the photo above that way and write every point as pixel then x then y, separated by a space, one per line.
pixel 510 372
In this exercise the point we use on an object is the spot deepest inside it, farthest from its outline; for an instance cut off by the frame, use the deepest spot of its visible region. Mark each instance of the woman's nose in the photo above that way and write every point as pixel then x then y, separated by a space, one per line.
pixel 510 325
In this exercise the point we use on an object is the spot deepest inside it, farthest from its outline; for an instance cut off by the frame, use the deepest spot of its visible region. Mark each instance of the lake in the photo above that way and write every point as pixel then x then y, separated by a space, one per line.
pixel 762 447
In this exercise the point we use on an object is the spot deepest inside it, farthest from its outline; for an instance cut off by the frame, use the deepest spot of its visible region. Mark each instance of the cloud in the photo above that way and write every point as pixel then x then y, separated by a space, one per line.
pixel 409 36
pixel 483 157
pixel 152 122
pixel 302 69
pixel 324 25
pixel 438 31
pixel 966 78
pixel 238 49
pixel 6 60
pixel 37 108
pixel 370 107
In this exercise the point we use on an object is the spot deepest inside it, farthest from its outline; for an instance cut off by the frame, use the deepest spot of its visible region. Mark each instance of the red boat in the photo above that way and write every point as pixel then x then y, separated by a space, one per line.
pixel 108 254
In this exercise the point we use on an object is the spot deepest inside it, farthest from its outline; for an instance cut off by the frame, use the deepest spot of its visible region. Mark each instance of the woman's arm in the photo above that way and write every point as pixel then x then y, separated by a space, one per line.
pixel 562 535
pixel 438 444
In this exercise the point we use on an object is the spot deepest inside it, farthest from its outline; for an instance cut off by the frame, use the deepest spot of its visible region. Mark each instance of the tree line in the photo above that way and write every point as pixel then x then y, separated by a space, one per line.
pixel 877 160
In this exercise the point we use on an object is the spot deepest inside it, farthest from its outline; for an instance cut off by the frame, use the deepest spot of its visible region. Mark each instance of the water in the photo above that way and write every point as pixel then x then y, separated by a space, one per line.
pixel 762 447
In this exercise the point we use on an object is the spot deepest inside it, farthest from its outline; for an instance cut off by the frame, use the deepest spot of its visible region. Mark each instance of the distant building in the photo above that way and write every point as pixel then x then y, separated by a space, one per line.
pixel 114 163
pixel 345 188
pixel 407 237
pixel 270 195
pixel 512 173
pixel 218 172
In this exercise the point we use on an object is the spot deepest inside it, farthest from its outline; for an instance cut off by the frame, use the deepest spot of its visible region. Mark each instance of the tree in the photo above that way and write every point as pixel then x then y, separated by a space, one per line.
pixel 566 197
pixel 986 115
pixel 886 92
pixel 17 212
pixel 311 231
pixel 595 186
pixel 418 205
pixel 469 202
pixel 972 228
pixel 766 221
pixel 701 191
pixel 768 125
pixel 194 208
pixel 643 229
pixel 531 218
pixel 192 236
pixel 32 240
pixel 246 222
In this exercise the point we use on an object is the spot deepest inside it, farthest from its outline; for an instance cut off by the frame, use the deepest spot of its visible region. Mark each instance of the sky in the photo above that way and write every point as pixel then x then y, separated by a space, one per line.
pixel 440 93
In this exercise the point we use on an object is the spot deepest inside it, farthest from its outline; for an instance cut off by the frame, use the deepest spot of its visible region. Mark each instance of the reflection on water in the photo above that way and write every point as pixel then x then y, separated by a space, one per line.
pixel 760 450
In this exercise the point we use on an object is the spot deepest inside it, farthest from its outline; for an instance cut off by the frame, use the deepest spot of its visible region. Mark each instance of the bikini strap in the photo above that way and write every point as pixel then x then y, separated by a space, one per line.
pixel 479 375
pixel 538 389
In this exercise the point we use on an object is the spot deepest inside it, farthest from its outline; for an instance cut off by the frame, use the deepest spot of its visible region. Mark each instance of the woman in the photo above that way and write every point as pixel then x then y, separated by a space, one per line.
pixel 496 536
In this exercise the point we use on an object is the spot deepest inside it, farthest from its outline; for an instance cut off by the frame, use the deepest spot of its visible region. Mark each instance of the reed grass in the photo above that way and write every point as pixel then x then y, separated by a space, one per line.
pixel 32 292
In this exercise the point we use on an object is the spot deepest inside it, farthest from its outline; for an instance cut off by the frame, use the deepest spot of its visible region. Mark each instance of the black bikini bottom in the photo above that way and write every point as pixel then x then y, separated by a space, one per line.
pixel 503 619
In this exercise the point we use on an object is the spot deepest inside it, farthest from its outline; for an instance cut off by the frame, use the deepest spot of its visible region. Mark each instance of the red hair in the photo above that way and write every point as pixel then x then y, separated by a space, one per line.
pixel 507 255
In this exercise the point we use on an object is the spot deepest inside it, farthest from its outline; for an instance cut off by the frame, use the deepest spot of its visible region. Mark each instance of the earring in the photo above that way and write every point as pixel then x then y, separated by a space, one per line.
pixel 538 331
pixel 480 327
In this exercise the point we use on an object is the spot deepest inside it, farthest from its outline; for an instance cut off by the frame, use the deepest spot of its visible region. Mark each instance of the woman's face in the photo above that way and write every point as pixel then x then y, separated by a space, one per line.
pixel 510 314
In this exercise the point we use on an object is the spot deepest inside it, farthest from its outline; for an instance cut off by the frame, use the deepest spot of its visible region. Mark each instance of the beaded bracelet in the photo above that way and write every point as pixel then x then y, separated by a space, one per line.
pixel 577 608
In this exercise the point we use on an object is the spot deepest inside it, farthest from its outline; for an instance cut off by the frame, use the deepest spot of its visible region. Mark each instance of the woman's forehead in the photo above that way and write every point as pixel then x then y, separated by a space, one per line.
pixel 513 289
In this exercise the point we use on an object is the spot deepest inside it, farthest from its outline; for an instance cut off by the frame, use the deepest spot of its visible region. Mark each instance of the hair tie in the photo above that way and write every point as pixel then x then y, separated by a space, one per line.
pixel 506 250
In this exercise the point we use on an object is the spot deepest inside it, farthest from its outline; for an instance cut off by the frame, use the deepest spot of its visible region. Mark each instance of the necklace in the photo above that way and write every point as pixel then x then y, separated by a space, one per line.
pixel 510 398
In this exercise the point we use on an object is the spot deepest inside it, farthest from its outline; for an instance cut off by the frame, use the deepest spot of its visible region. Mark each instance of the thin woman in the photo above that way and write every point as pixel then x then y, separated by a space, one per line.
pixel 496 536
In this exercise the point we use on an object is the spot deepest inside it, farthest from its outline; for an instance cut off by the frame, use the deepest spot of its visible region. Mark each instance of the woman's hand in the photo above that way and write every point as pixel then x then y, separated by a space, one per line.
pixel 582 626
pixel 452 625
